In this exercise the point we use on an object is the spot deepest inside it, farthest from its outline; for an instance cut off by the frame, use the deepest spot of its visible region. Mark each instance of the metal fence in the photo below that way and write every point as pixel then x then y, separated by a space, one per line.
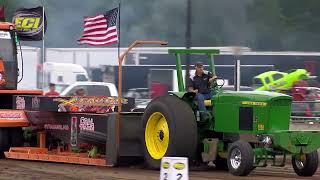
pixel 305 111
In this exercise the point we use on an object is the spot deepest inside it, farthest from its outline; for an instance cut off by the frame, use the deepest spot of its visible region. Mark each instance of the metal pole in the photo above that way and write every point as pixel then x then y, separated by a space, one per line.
pixel 237 75
pixel 188 38
pixel 43 50
pixel 179 73
pixel 212 64
pixel 119 30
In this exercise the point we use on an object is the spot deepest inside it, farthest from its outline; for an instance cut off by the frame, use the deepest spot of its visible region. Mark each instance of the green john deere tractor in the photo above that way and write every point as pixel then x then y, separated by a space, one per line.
pixel 244 130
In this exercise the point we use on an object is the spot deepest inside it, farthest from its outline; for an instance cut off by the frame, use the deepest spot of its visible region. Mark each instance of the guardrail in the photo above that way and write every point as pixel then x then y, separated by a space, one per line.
pixel 305 111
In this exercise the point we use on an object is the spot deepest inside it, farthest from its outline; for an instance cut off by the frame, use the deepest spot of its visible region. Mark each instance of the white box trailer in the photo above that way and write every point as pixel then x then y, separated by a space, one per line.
pixel 63 74
pixel 31 74
pixel 31 60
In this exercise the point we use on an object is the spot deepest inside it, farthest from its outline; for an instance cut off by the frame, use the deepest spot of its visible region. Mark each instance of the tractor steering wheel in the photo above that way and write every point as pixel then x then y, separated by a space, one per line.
pixel 214 84
pixel 222 83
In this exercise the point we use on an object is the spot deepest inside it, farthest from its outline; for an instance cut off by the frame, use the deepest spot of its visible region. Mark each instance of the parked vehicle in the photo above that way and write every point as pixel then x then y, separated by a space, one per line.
pixel 91 89
pixel 62 74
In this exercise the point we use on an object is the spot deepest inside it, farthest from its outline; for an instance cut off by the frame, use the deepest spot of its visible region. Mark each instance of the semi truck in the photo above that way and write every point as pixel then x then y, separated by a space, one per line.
pixel 61 74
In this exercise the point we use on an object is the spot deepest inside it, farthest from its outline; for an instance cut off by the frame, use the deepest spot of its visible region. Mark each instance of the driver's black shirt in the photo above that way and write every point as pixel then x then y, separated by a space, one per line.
pixel 201 83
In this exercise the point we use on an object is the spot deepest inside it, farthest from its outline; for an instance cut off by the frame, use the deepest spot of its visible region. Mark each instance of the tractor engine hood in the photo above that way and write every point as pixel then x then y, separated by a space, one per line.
pixel 256 112
pixel 255 96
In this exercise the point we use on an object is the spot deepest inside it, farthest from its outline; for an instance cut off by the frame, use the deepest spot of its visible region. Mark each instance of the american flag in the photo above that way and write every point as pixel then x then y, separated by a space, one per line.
pixel 101 29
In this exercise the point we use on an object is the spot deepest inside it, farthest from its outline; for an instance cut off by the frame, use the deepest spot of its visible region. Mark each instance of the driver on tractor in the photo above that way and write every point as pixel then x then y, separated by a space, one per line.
pixel 199 83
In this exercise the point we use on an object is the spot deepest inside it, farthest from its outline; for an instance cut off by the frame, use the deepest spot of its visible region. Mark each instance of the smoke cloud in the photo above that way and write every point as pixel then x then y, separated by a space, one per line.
pixel 260 25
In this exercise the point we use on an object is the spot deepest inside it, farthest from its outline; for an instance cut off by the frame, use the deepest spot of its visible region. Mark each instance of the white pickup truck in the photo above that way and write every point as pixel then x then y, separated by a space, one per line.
pixel 91 89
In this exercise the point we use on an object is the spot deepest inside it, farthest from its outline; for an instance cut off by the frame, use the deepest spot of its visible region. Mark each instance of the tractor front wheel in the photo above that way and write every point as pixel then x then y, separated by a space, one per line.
pixel 240 158
pixel 170 129
pixel 306 164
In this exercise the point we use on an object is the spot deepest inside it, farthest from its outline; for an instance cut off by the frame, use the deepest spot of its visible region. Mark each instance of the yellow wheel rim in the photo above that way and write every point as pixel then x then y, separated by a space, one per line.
pixel 157 135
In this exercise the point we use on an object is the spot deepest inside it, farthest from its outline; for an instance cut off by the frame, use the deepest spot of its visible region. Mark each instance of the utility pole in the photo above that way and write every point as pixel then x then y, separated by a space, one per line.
pixel 188 38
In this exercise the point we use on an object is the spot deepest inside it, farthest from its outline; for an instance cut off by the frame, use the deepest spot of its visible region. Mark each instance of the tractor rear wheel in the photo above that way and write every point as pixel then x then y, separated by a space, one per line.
pixel 240 158
pixel 305 165
pixel 170 129
pixel 4 141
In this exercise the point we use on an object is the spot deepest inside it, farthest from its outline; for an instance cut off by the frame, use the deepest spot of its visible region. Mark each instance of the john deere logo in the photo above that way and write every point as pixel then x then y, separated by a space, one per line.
pixel 252 103
pixel 165 165
pixel 179 166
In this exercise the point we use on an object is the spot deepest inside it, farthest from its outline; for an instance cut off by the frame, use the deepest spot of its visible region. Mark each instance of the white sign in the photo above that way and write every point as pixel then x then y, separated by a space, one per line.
pixel 174 168
pixel 5 35
pixel 86 124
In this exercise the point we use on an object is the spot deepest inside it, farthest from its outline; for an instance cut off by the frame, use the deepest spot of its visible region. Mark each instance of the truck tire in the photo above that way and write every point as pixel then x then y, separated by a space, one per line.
pixel 240 158
pixel 4 141
pixel 170 129
pixel 16 136
pixel 307 167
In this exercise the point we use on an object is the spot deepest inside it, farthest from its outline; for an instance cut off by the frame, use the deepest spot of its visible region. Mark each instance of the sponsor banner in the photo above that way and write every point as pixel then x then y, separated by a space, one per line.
pixel 74 131
pixel 67 126
pixel 90 104
pixel 20 103
pixel 86 124
pixel 5 35
pixel 12 115
pixel 62 127
pixel 30 23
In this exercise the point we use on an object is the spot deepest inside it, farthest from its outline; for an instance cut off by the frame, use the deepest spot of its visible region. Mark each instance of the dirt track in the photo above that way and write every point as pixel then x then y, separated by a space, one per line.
pixel 12 169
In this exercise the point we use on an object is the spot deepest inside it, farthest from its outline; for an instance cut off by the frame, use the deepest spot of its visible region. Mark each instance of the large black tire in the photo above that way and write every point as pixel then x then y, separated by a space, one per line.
pixel 4 141
pixel 308 167
pixel 240 158
pixel 16 137
pixel 182 128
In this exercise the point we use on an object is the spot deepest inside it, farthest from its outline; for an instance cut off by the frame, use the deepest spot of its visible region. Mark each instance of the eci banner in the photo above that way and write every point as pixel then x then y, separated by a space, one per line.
pixel 29 23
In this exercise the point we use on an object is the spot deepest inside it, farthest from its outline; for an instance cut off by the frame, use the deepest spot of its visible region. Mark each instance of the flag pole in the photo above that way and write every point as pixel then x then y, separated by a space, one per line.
pixel 119 89
pixel 43 50
pixel 119 29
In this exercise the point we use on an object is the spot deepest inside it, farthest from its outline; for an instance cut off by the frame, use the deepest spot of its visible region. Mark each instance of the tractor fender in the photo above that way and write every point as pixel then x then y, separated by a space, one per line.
pixel 185 96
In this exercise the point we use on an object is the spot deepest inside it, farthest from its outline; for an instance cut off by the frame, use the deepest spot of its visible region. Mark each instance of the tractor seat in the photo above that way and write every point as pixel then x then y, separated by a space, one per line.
pixel 207 102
